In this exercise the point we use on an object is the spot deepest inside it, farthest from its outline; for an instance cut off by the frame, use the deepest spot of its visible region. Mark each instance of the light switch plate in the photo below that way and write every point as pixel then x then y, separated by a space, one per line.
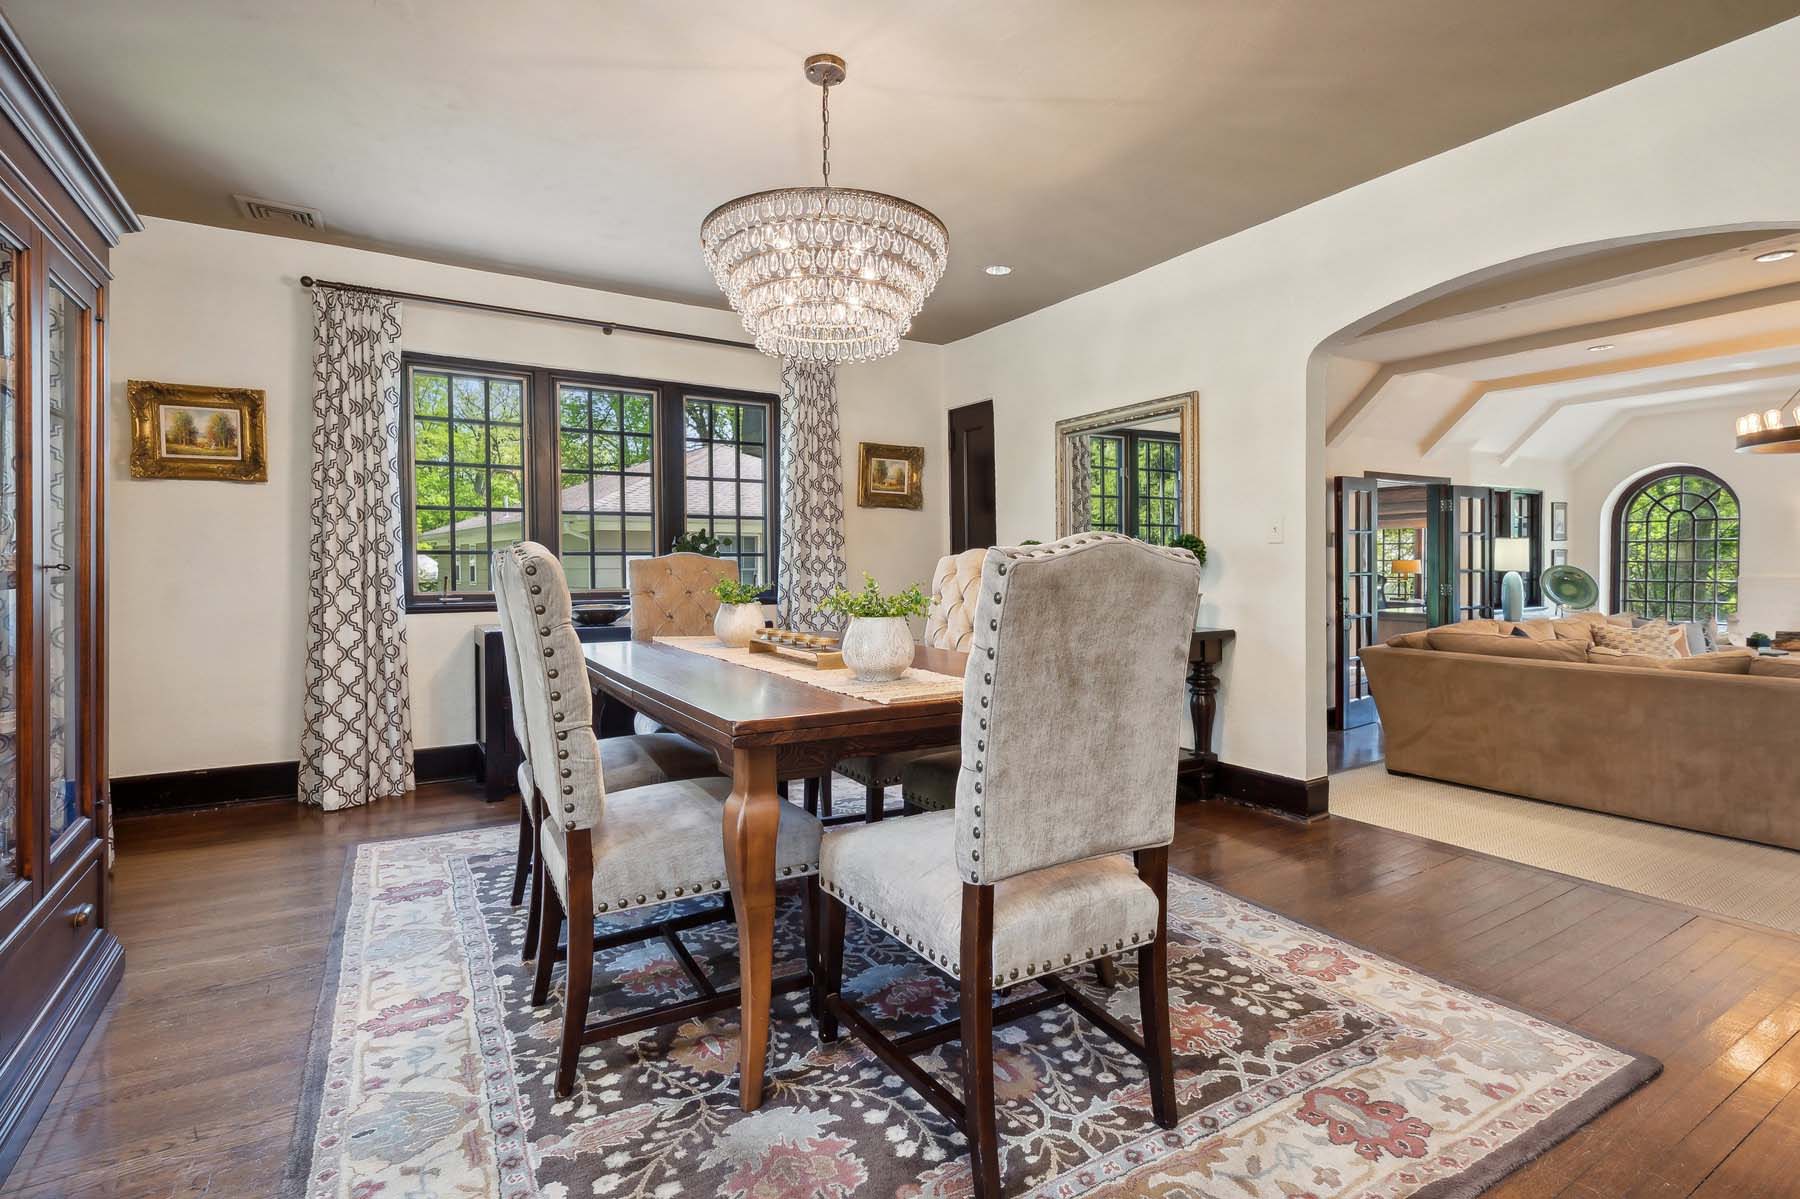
pixel 1276 533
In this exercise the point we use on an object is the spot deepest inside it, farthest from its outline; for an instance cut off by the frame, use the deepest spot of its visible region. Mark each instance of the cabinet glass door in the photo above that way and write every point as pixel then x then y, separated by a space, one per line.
pixel 10 830
pixel 61 554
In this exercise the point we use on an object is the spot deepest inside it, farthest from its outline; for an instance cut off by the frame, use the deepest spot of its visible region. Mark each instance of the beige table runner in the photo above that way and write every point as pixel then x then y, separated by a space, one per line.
pixel 913 686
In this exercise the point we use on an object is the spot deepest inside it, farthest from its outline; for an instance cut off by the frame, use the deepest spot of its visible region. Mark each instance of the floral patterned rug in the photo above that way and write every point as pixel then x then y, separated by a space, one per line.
pixel 1307 1068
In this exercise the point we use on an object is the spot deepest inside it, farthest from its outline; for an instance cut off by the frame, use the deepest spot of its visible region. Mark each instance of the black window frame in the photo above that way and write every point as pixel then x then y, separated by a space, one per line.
pixel 1126 477
pixel 1621 518
pixel 542 467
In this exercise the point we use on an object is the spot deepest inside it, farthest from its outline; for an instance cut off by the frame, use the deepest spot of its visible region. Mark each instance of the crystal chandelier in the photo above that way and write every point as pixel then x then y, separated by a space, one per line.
pixel 825 274
pixel 1769 432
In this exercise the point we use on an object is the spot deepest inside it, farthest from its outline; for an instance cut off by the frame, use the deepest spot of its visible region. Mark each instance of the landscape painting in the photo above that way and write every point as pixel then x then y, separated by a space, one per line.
pixel 890 476
pixel 186 431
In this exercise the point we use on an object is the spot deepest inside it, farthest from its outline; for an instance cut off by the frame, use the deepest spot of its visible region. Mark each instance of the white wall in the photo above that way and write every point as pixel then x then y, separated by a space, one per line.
pixel 1238 320
pixel 208 580
pixel 1767 487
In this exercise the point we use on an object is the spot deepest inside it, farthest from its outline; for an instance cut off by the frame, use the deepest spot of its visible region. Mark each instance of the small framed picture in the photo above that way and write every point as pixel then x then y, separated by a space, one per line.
pixel 890 476
pixel 1559 521
pixel 1559 557
pixel 180 431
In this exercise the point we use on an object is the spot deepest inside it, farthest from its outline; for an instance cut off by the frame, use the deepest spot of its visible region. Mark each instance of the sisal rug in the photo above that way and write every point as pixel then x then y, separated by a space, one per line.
pixel 1307 1067
pixel 1737 879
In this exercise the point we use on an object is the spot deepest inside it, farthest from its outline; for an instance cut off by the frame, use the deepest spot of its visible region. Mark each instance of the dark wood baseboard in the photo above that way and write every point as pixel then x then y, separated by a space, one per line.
pixel 142 793
pixel 1305 798
pixel 37 1068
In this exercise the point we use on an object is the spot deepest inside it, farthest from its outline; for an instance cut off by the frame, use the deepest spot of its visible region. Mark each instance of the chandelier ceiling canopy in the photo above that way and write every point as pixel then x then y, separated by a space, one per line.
pixel 825 274
pixel 1771 432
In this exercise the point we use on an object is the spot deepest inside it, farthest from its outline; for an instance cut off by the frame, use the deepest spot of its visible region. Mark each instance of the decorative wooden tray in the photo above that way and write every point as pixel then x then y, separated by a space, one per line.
pixel 811 648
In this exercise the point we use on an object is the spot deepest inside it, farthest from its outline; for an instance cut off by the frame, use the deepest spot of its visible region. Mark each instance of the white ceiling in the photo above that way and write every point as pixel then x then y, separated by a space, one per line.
pixel 1500 368
pixel 583 140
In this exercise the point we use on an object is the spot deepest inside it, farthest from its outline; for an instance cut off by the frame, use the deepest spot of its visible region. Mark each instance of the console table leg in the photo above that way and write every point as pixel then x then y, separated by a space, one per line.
pixel 1203 688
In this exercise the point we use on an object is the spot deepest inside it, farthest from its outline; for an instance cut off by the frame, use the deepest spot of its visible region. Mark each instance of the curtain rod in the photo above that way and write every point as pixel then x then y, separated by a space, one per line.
pixel 606 327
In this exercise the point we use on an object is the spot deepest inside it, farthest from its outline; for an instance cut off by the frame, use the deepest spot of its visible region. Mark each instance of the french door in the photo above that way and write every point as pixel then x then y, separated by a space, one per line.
pixel 1468 540
pixel 1357 512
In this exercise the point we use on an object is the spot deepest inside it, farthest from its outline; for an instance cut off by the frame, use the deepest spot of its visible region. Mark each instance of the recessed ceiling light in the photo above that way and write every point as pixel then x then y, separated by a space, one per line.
pixel 1776 255
pixel 997 269
pixel 1605 345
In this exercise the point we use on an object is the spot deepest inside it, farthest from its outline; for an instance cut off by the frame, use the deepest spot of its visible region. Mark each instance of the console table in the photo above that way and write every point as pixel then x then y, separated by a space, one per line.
pixel 1205 653
pixel 495 744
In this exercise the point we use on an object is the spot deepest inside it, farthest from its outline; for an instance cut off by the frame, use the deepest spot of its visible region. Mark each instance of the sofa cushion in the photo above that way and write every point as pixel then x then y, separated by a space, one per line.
pixel 1727 662
pixel 1776 668
pixel 1651 641
pixel 1481 626
pixel 1570 629
pixel 1413 640
pixel 1450 639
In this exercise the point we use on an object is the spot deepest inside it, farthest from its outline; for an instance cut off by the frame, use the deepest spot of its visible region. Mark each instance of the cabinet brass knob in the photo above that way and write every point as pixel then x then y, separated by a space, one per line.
pixel 81 915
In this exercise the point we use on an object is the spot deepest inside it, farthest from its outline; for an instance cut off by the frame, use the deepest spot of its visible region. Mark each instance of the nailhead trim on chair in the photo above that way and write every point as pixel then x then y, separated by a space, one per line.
pixel 626 903
pixel 952 963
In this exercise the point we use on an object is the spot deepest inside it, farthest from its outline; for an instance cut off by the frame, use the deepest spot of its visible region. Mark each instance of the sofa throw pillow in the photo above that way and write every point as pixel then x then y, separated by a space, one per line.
pixel 1729 662
pixel 1571 629
pixel 1518 632
pixel 1651 641
pixel 1449 640
pixel 1776 668
pixel 1537 630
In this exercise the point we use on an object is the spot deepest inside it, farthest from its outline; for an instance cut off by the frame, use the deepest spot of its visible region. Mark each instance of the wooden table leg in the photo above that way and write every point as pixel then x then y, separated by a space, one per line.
pixel 752 816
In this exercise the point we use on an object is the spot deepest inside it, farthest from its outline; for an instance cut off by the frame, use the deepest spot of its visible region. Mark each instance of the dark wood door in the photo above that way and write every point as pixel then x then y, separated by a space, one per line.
pixel 973 520
pixel 1469 553
pixel 1358 516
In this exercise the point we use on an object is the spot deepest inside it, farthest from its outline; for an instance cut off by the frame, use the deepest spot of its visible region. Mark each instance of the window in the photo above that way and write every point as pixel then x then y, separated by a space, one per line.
pixel 1675 547
pixel 1106 484
pixel 727 490
pixel 600 469
pixel 1397 543
pixel 605 502
pixel 468 494
pixel 1144 500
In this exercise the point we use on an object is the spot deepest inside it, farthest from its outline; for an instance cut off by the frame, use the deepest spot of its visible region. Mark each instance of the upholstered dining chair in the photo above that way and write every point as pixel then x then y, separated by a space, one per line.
pixel 1077 668
pixel 635 761
pixel 949 624
pixel 672 596
pixel 605 851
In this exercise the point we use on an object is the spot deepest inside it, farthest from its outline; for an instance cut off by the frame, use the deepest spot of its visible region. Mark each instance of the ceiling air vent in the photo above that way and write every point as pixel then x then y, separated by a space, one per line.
pixel 275 212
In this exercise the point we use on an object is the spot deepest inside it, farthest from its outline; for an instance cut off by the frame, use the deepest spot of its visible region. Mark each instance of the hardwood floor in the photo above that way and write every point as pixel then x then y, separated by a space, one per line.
pixel 189 1086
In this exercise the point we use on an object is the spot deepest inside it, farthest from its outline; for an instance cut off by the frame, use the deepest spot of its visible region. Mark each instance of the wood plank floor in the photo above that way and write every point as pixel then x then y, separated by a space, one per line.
pixel 190 1084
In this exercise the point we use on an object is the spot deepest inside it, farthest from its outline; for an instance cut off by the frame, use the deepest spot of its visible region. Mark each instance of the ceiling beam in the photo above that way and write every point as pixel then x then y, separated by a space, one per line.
pixel 1754 343
pixel 1680 314
pixel 1789 371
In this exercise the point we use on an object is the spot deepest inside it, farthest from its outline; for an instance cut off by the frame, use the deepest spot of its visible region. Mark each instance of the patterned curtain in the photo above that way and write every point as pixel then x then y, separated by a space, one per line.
pixel 812 493
pixel 356 735
pixel 1081 485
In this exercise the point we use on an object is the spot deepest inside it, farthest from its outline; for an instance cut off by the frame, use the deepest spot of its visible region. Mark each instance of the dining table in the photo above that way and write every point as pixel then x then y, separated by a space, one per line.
pixel 764 727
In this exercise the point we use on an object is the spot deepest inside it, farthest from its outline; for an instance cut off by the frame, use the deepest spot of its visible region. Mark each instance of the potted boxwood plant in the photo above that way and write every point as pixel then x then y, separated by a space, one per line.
pixel 878 643
pixel 1192 544
pixel 740 612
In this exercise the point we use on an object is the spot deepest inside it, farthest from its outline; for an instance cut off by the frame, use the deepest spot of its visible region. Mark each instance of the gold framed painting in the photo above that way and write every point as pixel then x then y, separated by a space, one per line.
pixel 180 431
pixel 890 476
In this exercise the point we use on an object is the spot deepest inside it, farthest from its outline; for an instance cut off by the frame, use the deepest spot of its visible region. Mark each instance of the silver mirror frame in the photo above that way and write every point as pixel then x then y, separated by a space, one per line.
pixel 1185 405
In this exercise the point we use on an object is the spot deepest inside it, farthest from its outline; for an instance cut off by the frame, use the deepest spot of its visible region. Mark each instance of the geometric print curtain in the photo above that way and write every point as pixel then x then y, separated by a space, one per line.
pixel 356 716
pixel 812 494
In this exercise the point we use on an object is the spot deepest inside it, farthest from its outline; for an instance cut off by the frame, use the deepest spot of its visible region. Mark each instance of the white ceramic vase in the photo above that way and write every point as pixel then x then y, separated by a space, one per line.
pixel 735 624
pixel 878 649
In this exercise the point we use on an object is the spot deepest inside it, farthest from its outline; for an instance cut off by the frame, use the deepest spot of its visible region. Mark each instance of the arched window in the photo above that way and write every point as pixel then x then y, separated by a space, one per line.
pixel 1675 546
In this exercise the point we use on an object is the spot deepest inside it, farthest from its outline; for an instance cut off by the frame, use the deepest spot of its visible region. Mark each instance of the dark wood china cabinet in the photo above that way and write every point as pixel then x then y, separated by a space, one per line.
pixel 59 217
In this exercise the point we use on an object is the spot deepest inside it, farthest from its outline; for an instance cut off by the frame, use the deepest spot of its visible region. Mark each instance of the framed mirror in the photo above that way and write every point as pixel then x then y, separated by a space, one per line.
pixel 1133 470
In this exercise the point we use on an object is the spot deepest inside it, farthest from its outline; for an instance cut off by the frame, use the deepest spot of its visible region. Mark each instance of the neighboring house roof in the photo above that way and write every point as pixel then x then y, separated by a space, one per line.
pixel 638 487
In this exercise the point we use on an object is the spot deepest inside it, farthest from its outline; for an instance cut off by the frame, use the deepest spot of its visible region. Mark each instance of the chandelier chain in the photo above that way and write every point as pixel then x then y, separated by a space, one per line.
pixel 825 136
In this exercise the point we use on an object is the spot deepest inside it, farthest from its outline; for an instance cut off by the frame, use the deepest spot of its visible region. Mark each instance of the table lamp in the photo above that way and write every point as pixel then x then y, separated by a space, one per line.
pixel 1512 555
pixel 1406 566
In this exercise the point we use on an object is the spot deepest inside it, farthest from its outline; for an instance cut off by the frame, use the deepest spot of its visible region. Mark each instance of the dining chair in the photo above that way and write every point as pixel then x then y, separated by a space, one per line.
pixel 1076 672
pixel 632 761
pixel 607 852
pixel 949 624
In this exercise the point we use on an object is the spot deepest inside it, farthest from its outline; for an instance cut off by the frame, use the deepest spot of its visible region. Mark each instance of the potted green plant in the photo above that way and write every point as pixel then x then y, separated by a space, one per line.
pixel 1759 641
pixel 740 612
pixel 1192 544
pixel 695 541
pixel 877 643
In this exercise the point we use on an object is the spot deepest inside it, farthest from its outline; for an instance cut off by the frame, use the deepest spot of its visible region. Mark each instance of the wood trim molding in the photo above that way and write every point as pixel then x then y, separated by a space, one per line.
pixel 217 787
pixel 1306 798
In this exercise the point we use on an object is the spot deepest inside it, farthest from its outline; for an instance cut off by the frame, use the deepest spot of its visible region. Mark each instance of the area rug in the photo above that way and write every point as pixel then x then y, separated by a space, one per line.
pixel 1736 879
pixel 1307 1067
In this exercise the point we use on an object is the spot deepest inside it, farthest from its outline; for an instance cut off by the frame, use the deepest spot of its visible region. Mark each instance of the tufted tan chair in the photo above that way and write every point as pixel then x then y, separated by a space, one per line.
pixel 635 761
pixel 1027 877
pixel 949 624
pixel 671 596
pixel 607 852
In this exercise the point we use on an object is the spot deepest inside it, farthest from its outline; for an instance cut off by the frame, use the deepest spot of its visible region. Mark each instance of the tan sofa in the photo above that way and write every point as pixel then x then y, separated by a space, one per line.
pixel 1708 745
